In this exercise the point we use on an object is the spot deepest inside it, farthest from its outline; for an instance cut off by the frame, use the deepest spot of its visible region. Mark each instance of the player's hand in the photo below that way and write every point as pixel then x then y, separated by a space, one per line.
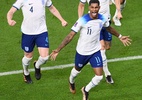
pixel 119 15
pixel 125 40
pixel 11 22
pixel 64 23
pixel 54 54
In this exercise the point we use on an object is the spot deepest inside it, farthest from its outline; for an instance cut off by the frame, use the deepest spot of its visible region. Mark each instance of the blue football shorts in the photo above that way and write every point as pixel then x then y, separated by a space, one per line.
pixel 105 35
pixel 29 41
pixel 95 60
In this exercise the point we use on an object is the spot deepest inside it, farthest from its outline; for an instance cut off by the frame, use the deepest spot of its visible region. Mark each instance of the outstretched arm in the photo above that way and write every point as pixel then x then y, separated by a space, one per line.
pixel 10 14
pixel 80 9
pixel 67 40
pixel 56 13
pixel 124 39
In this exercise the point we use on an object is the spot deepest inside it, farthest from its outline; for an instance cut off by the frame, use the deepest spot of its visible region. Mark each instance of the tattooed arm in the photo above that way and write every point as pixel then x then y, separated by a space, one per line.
pixel 67 40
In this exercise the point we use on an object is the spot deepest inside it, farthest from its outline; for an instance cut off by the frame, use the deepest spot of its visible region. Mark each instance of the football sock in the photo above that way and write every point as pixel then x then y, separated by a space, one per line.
pixel 40 61
pixel 95 81
pixel 73 74
pixel 105 66
pixel 25 63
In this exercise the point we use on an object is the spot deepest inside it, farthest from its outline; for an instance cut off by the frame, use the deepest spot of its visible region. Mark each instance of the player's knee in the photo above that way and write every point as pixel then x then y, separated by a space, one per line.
pixel 96 80
pixel 108 46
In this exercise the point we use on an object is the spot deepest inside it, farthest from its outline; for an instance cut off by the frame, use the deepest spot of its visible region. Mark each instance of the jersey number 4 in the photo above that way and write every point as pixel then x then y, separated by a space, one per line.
pixel 31 9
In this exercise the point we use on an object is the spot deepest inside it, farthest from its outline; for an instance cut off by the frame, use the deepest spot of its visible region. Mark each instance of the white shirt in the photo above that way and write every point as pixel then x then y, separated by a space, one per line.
pixel 104 7
pixel 89 40
pixel 34 15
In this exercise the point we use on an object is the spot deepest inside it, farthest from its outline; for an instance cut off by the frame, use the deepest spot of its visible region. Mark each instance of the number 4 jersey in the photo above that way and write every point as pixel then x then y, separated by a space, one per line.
pixel 33 15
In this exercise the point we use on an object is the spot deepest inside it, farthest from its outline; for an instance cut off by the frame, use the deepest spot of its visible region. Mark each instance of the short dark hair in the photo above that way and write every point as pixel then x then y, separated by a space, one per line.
pixel 94 1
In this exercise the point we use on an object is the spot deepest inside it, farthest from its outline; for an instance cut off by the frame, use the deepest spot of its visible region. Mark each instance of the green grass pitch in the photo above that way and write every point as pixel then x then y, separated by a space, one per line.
pixel 54 83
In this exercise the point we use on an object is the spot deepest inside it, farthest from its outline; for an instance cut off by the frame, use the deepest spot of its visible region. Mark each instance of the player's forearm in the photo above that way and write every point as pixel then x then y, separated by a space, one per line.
pixel 67 40
pixel 80 9
pixel 56 13
pixel 80 12
pixel 113 31
pixel 10 15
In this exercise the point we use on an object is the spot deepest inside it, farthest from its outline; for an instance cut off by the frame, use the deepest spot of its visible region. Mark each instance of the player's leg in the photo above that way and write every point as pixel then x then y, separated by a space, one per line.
pixel 80 62
pixel 25 62
pixel 105 41
pixel 103 53
pixel 73 75
pixel 116 20
pixel 41 60
pixel 27 45
pixel 96 60
pixel 123 4
pixel 94 82
pixel 107 73
pixel 43 49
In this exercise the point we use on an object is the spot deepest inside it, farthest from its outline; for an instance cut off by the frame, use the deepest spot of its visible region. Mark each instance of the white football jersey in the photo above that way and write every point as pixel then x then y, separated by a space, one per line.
pixel 104 7
pixel 34 19
pixel 89 39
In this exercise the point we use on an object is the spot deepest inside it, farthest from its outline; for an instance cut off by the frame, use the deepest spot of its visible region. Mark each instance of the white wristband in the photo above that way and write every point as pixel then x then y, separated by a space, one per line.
pixel 119 36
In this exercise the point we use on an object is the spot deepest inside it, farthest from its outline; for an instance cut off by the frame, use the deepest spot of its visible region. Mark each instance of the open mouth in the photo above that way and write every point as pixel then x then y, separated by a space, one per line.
pixel 94 14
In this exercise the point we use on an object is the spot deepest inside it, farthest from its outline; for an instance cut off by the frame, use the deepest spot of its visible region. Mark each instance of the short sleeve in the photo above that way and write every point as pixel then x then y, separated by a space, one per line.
pixel 107 24
pixel 77 26
pixel 83 1
pixel 48 3
pixel 18 4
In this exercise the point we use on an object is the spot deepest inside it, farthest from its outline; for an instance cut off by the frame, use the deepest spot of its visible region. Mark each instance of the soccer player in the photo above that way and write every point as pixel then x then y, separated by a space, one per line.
pixel 105 38
pixel 34 32
pixel 88 46
pixel 120 5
